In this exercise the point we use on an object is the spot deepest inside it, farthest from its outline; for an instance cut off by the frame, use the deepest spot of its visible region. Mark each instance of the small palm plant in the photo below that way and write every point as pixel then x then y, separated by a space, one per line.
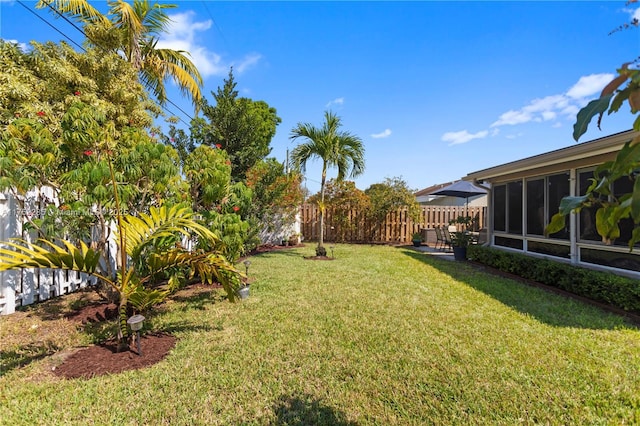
pixel 149 247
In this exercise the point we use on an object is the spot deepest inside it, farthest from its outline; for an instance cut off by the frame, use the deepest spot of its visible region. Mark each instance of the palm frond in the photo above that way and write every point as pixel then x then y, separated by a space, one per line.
pixel 209 267
pixel 142 231
pixel 22 254
pixel 80 10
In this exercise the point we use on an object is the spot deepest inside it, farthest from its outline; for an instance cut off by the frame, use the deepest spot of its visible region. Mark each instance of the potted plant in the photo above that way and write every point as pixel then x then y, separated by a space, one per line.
pixel 460 241
pixel 417 239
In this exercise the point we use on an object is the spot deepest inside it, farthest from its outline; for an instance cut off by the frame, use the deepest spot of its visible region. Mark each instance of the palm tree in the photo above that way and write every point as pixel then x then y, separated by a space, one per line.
pixel 132 30
pixel 336 149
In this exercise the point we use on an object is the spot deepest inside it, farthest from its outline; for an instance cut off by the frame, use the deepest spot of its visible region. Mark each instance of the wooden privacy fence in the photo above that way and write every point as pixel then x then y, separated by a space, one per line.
pixel 352 226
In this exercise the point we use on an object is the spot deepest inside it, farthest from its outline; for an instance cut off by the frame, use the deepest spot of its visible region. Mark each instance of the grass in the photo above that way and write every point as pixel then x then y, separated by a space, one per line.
pixel 380 335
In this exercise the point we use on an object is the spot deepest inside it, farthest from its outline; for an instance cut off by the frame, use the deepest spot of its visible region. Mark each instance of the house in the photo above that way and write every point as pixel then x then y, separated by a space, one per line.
pixel 425 197
pixel 525 194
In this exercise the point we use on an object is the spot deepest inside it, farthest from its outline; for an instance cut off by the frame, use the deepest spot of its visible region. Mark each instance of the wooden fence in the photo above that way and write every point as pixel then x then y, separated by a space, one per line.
pixel 356 227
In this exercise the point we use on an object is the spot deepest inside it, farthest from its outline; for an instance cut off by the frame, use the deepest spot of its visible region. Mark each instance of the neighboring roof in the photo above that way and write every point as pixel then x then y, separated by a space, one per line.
pixel 433 188
pixel 583 154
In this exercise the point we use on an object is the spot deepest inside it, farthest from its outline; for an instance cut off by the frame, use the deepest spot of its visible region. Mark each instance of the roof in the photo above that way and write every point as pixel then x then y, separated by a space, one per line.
pixel 584 154
pixel 433 188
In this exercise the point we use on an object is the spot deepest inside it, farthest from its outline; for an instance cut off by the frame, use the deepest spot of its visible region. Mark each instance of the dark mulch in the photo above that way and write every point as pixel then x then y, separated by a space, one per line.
pixel 97 312
pixel 105 359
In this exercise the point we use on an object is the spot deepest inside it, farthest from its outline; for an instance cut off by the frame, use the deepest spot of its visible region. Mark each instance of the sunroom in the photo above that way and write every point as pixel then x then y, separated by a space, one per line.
pixel 525 194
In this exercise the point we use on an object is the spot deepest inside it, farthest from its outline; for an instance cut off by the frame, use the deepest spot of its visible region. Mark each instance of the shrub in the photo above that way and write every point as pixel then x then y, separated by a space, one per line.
pixel 600 286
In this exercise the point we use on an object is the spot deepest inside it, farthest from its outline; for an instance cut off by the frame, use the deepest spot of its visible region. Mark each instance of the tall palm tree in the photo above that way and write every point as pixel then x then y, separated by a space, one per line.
pixel 132 30
pixel 335 148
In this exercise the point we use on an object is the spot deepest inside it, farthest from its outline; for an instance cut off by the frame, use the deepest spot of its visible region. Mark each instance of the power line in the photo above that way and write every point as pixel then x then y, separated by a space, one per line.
pixel 52 26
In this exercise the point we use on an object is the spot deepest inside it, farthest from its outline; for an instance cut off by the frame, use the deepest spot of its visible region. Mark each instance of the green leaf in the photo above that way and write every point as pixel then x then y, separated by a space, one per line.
pixel 568 204
pixel 593 108
pixel 557 224
pixel 606 224
pixel 635 200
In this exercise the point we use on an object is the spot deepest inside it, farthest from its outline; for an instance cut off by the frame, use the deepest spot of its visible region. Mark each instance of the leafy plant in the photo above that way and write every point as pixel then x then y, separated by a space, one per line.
pixel 138 237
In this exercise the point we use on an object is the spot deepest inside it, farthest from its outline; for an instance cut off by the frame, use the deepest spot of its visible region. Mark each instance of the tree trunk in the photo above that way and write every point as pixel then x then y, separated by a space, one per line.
pixel 322 184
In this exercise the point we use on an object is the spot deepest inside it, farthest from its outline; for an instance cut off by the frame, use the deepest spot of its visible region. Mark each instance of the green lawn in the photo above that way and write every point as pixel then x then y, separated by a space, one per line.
pixel 380 335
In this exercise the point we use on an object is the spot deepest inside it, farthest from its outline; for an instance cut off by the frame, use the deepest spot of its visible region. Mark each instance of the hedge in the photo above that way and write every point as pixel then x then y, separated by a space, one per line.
pixel 606 287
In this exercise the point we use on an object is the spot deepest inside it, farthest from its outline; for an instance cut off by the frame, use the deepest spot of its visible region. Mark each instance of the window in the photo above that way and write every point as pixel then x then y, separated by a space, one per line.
pixel 507 208
pixel 587 218
pixel 499 208
pixel 535 207
pixel 514 208
pixel 558 187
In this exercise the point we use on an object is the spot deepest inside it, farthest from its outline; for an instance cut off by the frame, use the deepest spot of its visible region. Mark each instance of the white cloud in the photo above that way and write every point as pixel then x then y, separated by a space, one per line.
pixel 247 62
pixel 514 135
pixel 456 138
pixel 336 101
pixel 384 134
pixel 589 85
pixel 23 46
pixel 181 35
pixel 553 107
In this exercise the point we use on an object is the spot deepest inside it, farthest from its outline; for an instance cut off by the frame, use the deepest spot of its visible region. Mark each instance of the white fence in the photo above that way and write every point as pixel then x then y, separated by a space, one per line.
pixel 27 286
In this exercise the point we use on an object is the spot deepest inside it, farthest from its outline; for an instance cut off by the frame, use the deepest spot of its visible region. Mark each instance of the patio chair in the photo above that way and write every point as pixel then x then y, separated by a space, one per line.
pixel 439 237
pixel 446 236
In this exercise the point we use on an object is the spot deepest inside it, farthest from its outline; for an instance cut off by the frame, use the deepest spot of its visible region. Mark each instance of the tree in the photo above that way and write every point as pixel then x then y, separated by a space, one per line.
pixel 389 196
pixel 343 199
pixel 335 148
pixel 242 127
pixel 276 196
pixel 611 211
pixel 56 105
pixel 132 30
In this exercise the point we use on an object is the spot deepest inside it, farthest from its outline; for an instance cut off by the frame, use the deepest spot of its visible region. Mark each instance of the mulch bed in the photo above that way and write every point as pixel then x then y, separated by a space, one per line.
pixel 105 359
pixel 97 312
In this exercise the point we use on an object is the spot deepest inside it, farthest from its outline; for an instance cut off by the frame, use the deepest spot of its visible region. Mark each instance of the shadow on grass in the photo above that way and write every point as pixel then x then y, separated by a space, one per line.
pixel 24 355
pixel 306 410
pixel 558 310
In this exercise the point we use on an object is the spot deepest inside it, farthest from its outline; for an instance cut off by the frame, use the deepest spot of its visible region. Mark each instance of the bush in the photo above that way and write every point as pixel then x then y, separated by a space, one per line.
pixel 600 286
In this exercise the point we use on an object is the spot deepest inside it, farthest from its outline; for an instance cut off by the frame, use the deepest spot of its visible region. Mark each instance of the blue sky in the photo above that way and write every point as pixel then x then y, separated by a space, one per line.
pixel 436 90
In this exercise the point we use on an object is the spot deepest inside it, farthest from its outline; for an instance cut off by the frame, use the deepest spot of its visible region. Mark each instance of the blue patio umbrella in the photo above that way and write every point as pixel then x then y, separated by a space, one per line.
pixel 461 189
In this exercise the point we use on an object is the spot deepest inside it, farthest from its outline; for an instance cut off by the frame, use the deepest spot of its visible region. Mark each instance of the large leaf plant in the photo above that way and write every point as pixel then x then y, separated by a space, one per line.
pixel 149 245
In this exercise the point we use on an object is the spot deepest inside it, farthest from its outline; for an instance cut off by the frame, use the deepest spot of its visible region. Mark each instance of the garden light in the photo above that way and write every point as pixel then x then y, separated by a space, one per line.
pixel 246 267
pixel 136 322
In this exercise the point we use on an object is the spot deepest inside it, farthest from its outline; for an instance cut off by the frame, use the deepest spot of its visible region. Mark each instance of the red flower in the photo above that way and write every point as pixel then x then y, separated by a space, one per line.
pixel 228 163
pixel 77 93
pixel 172 140
pixel 219 146
pixel 236 208
pixel 88 152
pixel 40 113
